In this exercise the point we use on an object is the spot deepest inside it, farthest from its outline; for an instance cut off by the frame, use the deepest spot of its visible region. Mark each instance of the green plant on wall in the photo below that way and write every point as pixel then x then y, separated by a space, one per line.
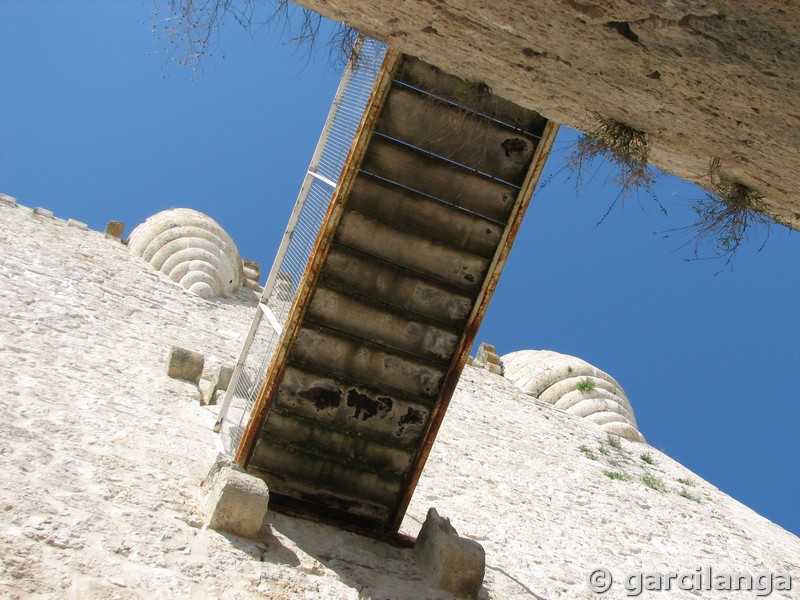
pixel 654 482
pixel 687 493
pixel 617 476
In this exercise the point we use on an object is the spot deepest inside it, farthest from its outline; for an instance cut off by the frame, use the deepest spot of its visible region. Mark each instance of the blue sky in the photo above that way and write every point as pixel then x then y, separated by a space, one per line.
pixel 97 124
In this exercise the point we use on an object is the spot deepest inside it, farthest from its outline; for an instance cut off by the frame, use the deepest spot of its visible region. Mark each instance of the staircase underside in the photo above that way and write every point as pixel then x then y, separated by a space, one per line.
pixel 425 212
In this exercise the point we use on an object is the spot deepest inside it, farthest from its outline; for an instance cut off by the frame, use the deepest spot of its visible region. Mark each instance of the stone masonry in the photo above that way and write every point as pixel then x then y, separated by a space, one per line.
pixel 104 455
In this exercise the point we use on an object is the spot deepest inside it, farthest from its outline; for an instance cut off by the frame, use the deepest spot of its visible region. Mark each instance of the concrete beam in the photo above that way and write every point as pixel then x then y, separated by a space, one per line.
pixel 703 79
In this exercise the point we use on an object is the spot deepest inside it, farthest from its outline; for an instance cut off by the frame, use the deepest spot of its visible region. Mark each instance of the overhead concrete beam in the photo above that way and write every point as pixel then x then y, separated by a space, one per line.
pixel 704 79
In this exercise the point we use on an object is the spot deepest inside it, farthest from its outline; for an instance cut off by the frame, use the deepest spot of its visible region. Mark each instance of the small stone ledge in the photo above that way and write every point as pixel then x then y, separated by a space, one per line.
pixel 8 200
pixel 43 212
pixel 114 230
pixel 218 382
pixel 235 502
pixel 448 561
pixel 77 224
pixel 252 274
pixel 488 359
pixel 185 364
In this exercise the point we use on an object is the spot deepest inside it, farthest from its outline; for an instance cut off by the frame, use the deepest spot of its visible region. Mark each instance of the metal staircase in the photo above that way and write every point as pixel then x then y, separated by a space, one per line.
pixel 419 225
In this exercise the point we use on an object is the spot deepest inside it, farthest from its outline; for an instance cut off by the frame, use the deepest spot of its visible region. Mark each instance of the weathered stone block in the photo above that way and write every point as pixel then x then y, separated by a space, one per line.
pixel 450 562
pixel 223 378
pixel 185 364
pixel 77 224
pixel 486 358
pixel 8 200
pixel 219 382
pixel 486 348
pixel 114 230
pixel 252 274
pixel 493 359
pixel 235 502
pixel 43 212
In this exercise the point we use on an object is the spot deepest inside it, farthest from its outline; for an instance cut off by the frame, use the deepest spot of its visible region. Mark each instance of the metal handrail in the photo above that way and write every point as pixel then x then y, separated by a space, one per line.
pixel 298 239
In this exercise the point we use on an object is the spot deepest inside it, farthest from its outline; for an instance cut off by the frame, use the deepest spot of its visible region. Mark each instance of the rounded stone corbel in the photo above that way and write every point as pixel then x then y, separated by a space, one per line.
pixel 191 249
pixel 575 386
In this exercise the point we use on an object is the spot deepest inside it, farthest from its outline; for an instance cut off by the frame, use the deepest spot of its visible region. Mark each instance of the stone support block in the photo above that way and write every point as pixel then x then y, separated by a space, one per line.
pixel 484 350
pixel 252 274
pixel 448 561
pixel 77 224
pixel 223 378
pixel 235 501
pixel 8 200
pixel 487 358
pixel 114 230
pixel 219 383
pixel 492 368
pixel 185 364
pixel 43 212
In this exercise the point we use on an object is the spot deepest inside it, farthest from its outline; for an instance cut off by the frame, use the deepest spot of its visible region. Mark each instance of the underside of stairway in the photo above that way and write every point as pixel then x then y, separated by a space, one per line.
pixel 421 221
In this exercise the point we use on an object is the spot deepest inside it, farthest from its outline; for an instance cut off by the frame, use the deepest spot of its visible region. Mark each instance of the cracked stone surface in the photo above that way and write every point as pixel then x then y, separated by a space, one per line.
pixel 704 78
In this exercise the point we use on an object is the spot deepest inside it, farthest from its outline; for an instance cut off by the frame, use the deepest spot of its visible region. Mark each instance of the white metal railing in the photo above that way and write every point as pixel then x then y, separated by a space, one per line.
pixel 298 240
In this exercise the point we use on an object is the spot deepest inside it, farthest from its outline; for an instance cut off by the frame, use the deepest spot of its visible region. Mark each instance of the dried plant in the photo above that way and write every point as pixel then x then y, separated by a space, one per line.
pixel 727 216
pixel 687 493
pixel 626 149
pixel 190 29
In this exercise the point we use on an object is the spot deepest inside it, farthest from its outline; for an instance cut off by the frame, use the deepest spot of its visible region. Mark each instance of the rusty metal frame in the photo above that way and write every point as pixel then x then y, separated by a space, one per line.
pixel 476 318
pixel 318 255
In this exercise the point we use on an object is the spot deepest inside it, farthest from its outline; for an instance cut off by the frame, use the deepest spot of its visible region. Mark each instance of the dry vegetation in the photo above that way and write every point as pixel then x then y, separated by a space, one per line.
pixel 190 30
pixel 625 149
pixel 727 216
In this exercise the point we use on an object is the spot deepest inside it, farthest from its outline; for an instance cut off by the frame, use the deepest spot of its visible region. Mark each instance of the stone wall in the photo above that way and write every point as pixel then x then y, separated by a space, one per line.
pixel 103 457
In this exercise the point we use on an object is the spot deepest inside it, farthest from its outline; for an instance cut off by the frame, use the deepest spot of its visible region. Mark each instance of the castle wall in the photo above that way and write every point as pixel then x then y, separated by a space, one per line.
pixel 103 456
